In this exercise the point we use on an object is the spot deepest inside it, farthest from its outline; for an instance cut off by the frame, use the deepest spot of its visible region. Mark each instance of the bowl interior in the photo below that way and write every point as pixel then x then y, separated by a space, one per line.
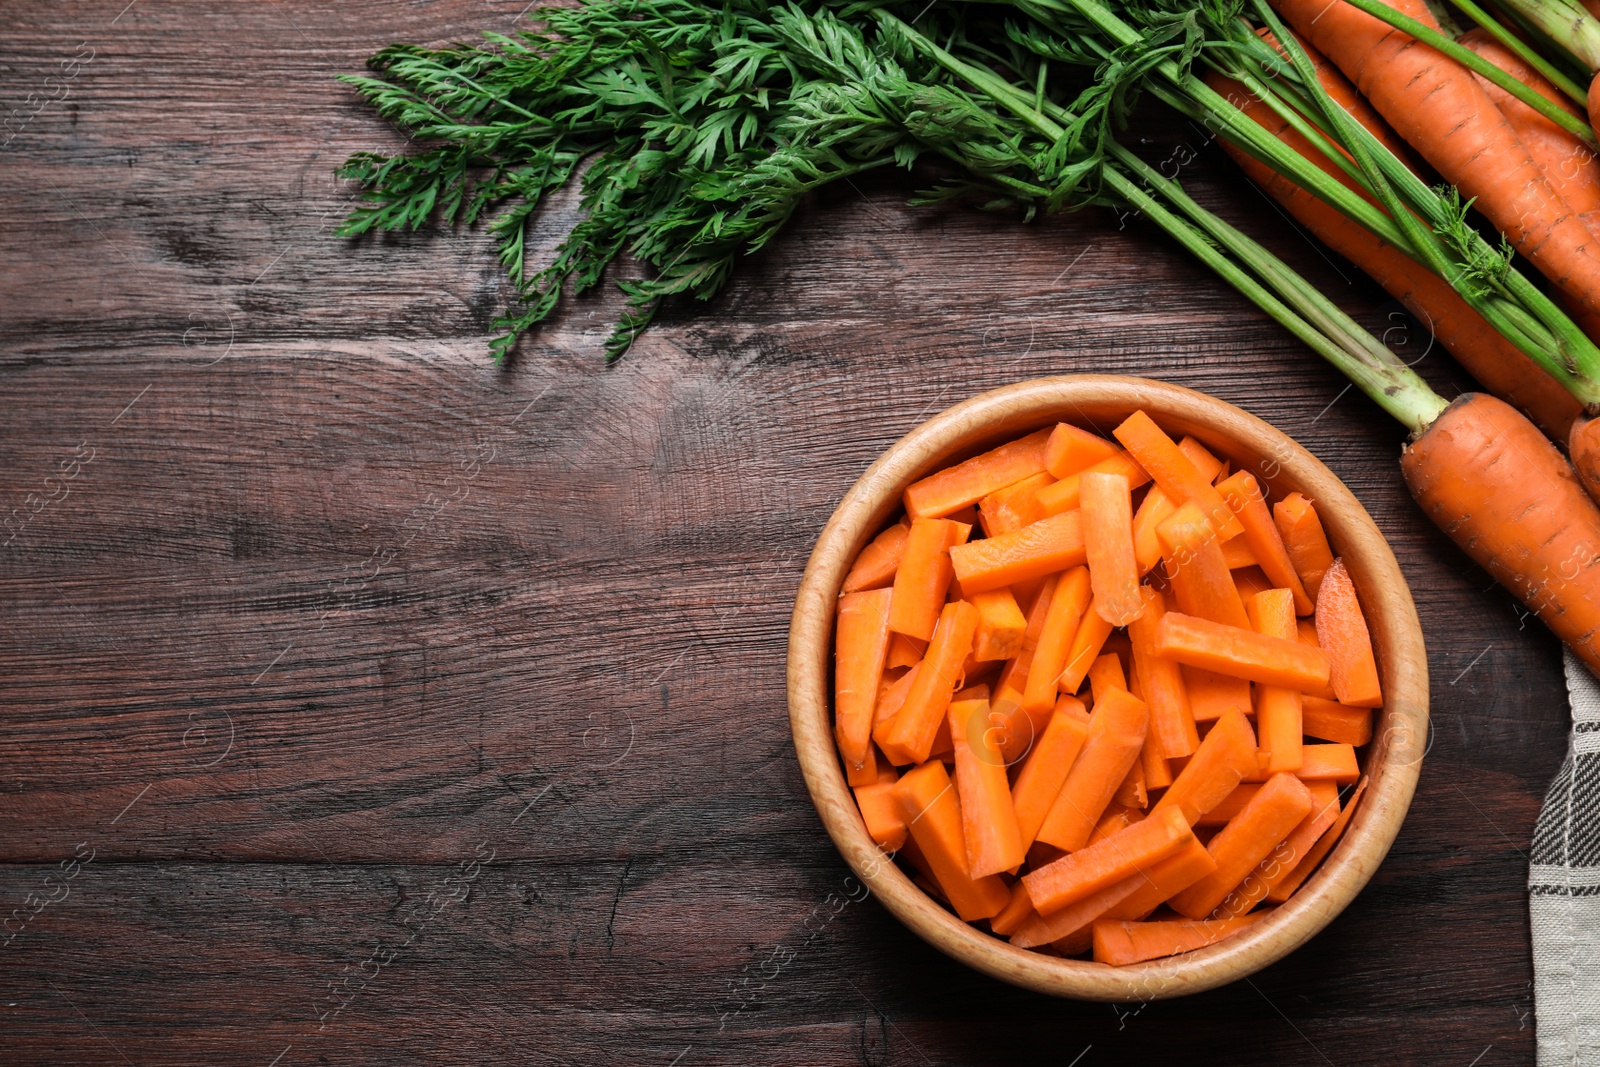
pixel 1099 402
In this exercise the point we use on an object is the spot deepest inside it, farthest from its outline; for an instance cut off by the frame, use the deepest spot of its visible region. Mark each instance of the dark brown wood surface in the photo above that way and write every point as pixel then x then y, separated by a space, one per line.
pixel 367 703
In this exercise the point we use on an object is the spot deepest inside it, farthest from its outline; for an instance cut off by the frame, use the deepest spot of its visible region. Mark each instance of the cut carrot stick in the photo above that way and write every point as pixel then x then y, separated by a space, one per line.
pixel 1163 881
pixel 867 772
pixel 1108 546
pixel 1047 546
pixel 904 651
pixel 1121 943
pixel 932 812
pixel 1116 733
pixel 875 566
pixel 1106 674
pixel 1308 636
pixel 1161 681
pixel 1201 581
pixel 1224 757
pixel 924 576
pixel 1045 772
pixel 1018 912
pixel 1174 472
pixel 1237 554
pixel 1071 450
pixel 1277 709
pixel 1331 721
pixel 988 818
pixel 953 488
pixel 1006 704
pixel 1283 888
pixel 1001 625
pixel 1117 817
pixel 1283 859
pixel 861 644
pixel 1243 495
pixel 1078 874
pixel 1131 793
pixel 1252 580
pixel 1211 694
pixel 1241 653
pixel 1133 897
pixel 1334 762
pixel 1066 494
pixel 1157 772
pixel 1342 633
pixel 1086 645
pixel 1230 805
pixel 1061 624
pixel 892 699
pixel 1304 540
pixel 1013 507
pixel 909 736
pixel 881 812
pixel 1270 816
pixel 1157 507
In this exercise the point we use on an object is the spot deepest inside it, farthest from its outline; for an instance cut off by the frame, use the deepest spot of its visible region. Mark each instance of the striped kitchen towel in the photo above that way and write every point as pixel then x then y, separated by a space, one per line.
pixel 1564 891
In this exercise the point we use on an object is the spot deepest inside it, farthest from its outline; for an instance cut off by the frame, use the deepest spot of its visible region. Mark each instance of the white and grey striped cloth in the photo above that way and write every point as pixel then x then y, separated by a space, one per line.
pixel 1564 891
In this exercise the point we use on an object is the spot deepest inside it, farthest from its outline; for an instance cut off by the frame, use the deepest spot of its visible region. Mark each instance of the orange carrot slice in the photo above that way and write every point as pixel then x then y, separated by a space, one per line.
pixel 1045 772
pixel 1334 762
pixel 988 818
pixel 1071 450
pixel 1133 897
pixel 875 566
pixel 1174 472
pixel 1086 645
pixel 1108 546
pixel 1237 554
pixel 1131 793
pixel 1061 624
pixel 1224 757
pixel 1251 580
pixel 1241 653
pixel 1302 535
pixel 1116 734
pixel 868 771
pixel 1117 817
pixel 1331 721
pixel 1270 816
pixel 904 651
pixel 1283 859
pixel 1017 913
pixel 1342 633
pixel 1066 494
pixel 1047 546
pixel 1211 694
pixel 1121 943
pixel 1013 507
pixel 1277 709
pixel 1230 805
pixel 1106 674
pixel 1171 720
pixel 861 644
pixel 881 812
pixel 1158 507
pixel 909 736
pixel 1001 625
pixel 932 813
pixel 1077 874
pixel 1283 888
pixel 892 699
pixel 953 488
pixel 1243 495
pixel 924 575
pixel 1201 582
pixel 1157 772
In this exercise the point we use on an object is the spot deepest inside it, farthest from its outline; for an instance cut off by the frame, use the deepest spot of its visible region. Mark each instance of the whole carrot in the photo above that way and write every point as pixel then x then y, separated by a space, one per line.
pixel 1437 105
pixel 1497 364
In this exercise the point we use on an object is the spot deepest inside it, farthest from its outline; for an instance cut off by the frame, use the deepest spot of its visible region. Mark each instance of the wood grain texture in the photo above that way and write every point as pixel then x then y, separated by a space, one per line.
pixel 335 600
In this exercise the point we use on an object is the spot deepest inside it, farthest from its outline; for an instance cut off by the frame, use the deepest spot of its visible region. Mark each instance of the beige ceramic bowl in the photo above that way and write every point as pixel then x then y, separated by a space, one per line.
pixel 1391 761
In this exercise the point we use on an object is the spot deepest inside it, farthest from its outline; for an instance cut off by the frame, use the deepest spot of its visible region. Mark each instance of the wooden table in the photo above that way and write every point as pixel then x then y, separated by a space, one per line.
pixel 370 703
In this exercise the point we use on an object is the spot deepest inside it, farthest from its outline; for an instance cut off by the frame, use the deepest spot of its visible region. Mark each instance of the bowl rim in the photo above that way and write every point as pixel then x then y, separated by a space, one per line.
pixel 1393 755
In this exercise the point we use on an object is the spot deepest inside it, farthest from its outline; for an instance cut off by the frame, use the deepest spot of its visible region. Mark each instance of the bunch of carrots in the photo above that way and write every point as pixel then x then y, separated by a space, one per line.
pixel 1090 667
